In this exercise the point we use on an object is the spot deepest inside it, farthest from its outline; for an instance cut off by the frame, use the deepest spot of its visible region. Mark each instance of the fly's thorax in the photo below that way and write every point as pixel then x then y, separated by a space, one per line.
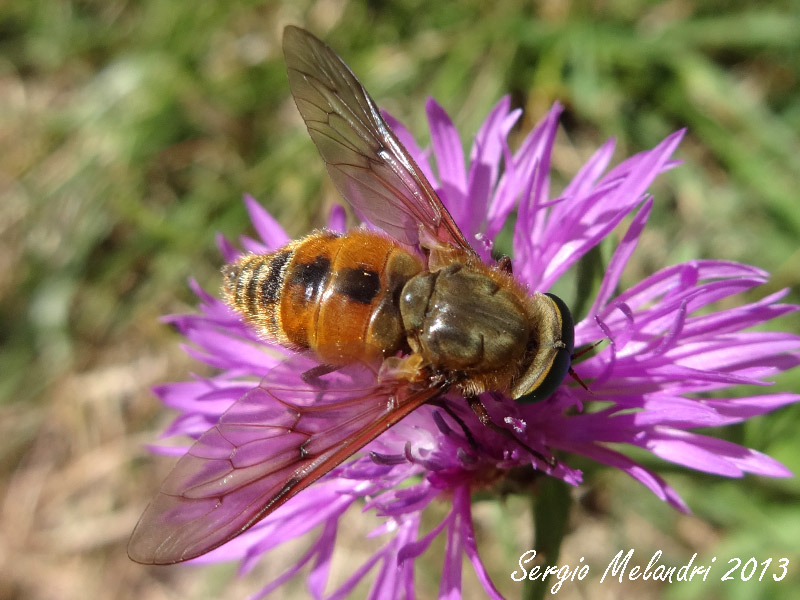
pixel 462 318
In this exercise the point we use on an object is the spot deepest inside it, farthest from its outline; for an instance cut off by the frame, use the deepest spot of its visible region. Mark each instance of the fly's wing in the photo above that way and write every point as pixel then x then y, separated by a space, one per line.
pixel 272 443
pixel 366 161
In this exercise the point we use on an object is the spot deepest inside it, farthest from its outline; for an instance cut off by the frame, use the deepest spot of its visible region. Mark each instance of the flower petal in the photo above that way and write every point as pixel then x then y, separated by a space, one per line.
pixel 272 235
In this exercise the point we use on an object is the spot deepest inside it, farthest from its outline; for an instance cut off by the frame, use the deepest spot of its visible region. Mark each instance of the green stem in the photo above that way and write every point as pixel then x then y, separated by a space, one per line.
pixel 550 506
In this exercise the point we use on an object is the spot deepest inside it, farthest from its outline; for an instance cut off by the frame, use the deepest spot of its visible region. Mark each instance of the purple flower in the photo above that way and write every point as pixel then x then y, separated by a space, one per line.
pixel 664 347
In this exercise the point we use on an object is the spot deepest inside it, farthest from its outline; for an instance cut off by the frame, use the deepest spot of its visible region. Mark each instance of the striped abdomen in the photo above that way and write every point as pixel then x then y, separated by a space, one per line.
pixel 334 294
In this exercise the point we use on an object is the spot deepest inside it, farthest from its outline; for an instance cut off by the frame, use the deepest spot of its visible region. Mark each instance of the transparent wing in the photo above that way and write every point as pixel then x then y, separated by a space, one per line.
pixel 272 443
pixel 366 161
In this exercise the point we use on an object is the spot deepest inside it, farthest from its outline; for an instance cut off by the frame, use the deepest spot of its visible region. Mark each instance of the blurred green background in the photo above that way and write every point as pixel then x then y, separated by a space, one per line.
pixel 129 132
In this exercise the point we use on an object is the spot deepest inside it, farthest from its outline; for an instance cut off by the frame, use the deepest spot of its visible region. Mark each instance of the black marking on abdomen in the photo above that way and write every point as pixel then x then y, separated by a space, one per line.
pixel 360 285
pixel 252 287
pixel 311 277
pixel 271 286
pixel 236 282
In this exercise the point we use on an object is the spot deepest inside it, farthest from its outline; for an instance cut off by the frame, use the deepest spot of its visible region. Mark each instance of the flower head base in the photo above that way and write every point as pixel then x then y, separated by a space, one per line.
pixel 664 349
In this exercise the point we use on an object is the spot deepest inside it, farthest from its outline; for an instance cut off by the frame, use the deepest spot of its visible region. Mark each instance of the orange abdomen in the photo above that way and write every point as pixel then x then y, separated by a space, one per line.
pixel 334 294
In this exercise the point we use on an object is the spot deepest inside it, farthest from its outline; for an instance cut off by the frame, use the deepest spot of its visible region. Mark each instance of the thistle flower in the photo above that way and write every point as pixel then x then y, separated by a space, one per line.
pixel 665 348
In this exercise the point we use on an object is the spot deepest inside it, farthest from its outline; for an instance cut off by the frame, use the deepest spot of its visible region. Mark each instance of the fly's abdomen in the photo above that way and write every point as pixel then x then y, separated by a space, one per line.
pixel 335 295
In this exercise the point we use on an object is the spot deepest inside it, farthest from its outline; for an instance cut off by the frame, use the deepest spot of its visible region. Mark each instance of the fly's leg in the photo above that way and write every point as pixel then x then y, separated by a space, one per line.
pixel 480 411
pixel 442 403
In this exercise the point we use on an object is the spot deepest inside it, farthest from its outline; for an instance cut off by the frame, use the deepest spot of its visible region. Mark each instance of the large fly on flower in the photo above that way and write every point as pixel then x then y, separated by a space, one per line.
pixel 381 323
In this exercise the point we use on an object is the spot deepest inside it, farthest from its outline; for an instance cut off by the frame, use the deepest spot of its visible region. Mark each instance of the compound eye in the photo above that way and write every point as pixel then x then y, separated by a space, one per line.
pixel 559 366
pixel 558 370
